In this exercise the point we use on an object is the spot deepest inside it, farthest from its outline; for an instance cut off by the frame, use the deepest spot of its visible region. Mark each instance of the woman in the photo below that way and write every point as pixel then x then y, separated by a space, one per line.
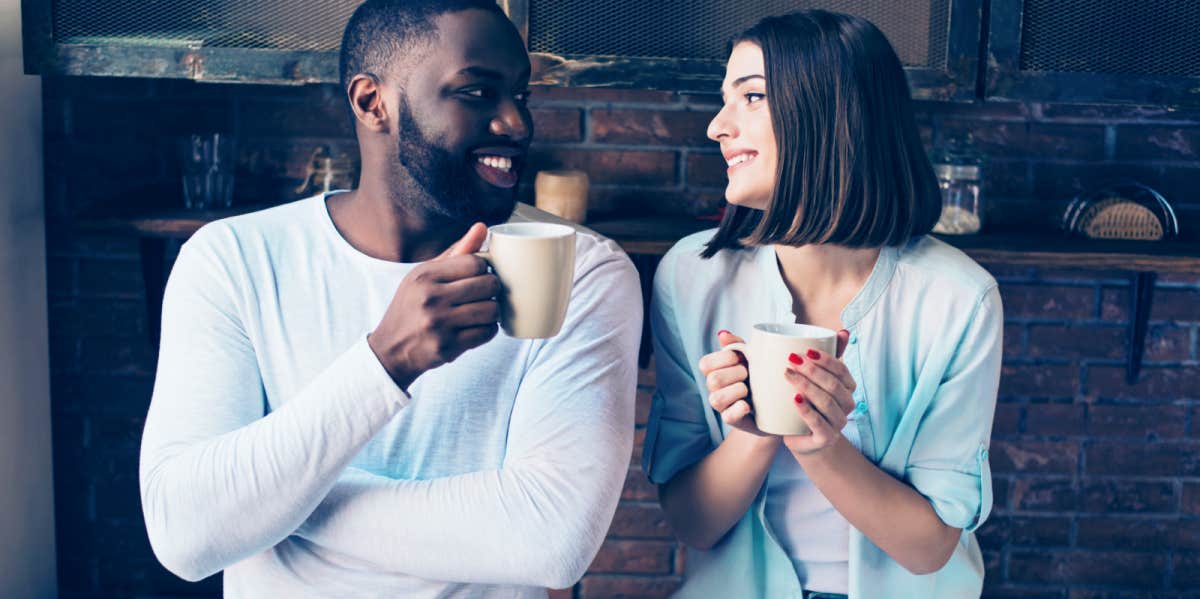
pixel 832 197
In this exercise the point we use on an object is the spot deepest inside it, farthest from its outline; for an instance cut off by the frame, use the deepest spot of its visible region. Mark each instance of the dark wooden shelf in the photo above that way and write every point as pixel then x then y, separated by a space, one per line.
pixel 648 238
pixel 1053 249
pixel 174 224
pixel 655 235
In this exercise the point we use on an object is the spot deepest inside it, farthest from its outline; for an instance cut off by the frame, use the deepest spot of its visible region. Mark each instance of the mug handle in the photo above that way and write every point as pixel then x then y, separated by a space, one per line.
pixel 740 348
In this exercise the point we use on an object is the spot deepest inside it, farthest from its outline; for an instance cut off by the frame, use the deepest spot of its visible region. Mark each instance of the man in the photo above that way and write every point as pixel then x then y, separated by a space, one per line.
pixel 334 412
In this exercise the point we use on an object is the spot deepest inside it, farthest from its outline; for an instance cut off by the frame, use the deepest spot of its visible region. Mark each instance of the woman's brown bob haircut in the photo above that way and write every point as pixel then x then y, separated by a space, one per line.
pixel 851 167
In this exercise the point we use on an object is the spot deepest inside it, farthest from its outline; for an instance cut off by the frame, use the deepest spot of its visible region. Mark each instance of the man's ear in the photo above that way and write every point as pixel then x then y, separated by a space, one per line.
pixel 366 100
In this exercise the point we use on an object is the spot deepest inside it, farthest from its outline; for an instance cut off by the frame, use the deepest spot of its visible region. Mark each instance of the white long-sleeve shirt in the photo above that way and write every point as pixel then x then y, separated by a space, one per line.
pixel 279 450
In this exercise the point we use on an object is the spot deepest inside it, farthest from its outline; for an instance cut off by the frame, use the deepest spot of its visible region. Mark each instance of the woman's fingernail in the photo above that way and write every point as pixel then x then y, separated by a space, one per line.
pixel 794 359
pixel 812 353
pixel 723 331
pixel 799 399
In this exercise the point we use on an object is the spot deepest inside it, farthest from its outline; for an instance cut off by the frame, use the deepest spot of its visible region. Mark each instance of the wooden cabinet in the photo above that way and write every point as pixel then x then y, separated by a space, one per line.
pixel 1143 52
pixel 683 45
pixel 1118 51
pixel 678 46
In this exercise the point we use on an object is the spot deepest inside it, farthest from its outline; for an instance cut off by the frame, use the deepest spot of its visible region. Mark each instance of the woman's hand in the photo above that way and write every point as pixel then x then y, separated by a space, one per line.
pixel 725 375
pixel 824 396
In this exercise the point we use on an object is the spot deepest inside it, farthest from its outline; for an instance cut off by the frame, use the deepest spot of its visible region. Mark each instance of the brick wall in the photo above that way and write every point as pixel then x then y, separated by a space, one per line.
pixel 1097 483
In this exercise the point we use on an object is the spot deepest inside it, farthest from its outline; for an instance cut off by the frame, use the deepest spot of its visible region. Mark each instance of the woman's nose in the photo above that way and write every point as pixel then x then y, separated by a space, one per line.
pixel 720 127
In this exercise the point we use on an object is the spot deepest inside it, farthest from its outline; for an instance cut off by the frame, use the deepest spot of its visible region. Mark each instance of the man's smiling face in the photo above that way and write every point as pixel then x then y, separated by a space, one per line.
pixel 462 125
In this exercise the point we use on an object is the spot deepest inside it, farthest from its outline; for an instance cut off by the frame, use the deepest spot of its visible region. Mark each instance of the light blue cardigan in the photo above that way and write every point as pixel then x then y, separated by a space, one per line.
pixel 925 350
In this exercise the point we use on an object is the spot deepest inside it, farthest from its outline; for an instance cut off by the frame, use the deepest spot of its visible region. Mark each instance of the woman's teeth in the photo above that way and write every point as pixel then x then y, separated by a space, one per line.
pixel 740 158
pixel 500 163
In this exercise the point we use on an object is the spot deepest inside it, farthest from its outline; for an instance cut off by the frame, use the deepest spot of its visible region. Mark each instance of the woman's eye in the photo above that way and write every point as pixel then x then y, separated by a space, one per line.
pixel 751 98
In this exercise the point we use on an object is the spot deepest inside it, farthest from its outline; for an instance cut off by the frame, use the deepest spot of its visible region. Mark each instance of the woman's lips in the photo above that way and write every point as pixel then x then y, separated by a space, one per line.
pixel 740 160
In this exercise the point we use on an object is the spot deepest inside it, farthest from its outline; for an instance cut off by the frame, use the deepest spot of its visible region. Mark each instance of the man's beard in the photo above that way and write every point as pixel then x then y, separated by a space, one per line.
pixel 445 180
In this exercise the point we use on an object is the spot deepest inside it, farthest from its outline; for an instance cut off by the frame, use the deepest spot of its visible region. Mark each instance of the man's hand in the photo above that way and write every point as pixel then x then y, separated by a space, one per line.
pixel 441 309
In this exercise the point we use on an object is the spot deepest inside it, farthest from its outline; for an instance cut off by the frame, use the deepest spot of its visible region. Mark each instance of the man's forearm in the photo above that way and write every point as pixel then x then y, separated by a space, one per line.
pixel 897 518
pixel 211 500
pixel 534 525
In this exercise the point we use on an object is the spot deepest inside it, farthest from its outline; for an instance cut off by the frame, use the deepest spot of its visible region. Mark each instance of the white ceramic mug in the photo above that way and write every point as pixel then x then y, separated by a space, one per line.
pixel 535 263
pixel 772 395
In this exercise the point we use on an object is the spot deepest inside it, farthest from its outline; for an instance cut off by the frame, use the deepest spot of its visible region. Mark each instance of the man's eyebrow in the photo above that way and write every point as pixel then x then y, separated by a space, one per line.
pixel 486 73
pixel 481 72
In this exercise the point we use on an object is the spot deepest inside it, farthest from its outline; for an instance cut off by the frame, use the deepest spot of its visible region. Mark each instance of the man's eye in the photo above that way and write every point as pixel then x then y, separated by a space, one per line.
pixel 477 93
pixel 751 98
pixel 521 97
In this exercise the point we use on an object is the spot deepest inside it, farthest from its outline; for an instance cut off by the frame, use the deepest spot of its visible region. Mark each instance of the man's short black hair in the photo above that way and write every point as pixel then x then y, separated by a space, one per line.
pixel 380 31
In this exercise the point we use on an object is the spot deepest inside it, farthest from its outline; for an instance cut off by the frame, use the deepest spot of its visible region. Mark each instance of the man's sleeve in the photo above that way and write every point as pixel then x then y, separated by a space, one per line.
pixel 540 519
pixel 220 482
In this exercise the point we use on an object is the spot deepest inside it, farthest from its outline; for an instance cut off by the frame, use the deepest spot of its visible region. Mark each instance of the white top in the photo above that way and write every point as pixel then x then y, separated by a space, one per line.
pixel 815 535
pixel 279 450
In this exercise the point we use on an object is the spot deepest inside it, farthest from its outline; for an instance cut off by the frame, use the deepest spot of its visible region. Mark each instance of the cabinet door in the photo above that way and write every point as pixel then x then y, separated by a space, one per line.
pixel 682 45
pixel 267 41
pixel 1144 51
pixel 670 44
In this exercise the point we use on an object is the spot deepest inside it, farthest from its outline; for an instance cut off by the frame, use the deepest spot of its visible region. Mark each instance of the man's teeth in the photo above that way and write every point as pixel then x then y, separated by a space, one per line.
pixel 740 158
pixel 501 163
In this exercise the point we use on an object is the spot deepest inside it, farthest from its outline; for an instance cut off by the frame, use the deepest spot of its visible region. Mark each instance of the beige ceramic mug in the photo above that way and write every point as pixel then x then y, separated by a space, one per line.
pixel 563 193
pixel 772 395
pixel 535 263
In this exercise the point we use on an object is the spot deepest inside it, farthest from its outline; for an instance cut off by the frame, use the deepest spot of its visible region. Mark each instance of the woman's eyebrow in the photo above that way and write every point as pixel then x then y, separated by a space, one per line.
pixel 739 81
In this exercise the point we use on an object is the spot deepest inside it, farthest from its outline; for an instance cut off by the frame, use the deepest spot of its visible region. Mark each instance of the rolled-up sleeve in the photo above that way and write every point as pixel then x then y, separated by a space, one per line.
pixel 948 463
pixel 677 434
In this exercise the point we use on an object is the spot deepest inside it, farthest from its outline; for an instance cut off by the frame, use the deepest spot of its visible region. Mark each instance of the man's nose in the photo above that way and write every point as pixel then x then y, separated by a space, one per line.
pixel 512 122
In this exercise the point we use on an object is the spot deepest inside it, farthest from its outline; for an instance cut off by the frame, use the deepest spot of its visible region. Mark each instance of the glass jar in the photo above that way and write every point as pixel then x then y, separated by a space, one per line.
pixel 959 177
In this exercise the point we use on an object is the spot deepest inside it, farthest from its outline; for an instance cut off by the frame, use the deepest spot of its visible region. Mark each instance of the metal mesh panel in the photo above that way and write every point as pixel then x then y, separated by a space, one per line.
pixel 284 24
pixel 1121 37
pixel 702 28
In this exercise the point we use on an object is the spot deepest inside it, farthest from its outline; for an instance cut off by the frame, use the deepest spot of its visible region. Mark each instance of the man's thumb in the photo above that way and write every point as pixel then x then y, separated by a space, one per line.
pixel 470 242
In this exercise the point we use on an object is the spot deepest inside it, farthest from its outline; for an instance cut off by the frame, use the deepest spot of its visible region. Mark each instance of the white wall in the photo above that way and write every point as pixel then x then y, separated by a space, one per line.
pixel 27 498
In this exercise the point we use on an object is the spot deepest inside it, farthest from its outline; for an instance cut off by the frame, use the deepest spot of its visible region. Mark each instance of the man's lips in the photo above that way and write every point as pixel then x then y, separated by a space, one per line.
pixel 499 165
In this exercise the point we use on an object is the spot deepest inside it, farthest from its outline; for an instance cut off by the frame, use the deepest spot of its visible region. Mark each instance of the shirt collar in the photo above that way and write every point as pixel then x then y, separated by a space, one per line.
pixel 877 282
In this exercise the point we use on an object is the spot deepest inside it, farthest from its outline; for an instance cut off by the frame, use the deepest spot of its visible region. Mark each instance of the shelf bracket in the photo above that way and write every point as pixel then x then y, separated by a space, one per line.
pixel 1141 297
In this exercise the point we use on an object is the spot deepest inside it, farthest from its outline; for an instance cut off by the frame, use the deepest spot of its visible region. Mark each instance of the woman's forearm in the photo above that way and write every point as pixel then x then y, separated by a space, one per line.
pixel 704 501
pixel 897 518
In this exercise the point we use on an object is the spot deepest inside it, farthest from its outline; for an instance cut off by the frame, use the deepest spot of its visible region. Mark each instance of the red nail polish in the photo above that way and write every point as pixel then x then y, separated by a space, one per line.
pixel 799 399
pixel 722 331
pixel 794 359
pixel 812 353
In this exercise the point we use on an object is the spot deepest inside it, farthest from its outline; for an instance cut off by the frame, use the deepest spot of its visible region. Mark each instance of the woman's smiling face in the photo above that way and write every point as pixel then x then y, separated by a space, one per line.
pixel 743 128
